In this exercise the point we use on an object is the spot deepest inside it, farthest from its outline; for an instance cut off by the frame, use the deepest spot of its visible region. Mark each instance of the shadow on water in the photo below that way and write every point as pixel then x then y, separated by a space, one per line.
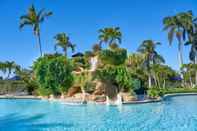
pixel 13 122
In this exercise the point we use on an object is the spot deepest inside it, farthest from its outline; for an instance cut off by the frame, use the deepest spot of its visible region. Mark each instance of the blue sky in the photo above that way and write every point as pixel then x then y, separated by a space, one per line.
pixel 81 19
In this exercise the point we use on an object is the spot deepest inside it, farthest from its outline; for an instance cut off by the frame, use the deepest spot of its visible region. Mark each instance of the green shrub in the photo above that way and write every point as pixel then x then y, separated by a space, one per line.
pixel 155 92
pixel 53 73
pixel 84 80
pixel 11 86
pixel 43 91
pixel 180 90
pixel 118 75
pixel 113 57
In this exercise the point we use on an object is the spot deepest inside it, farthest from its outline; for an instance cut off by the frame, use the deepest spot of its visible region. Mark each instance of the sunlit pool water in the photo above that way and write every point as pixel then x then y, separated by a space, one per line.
pixel 174 114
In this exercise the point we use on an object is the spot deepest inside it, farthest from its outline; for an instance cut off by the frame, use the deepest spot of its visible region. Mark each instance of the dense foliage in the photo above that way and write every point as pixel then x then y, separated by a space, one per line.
pixel 118 75
pixel 53 73
pixel 12 87
pixel 115 56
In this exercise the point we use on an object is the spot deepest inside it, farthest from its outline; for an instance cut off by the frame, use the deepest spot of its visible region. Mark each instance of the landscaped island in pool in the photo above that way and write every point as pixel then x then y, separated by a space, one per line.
pixel 176 113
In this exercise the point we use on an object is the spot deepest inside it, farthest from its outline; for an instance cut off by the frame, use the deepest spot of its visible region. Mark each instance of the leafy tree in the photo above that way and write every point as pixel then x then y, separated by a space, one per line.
pixel 63 41
pixel 33 18
pixel 188 71
pixel 162 74
pixel 113 56
pixel 8 67
pixel 151 57
pixel 53 73
pixel 116 75
pixel 135 60
pixel 27 77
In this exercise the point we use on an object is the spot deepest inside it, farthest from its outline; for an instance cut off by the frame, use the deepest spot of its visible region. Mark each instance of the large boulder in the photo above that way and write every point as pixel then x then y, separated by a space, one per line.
pixel 97 98
pixel 99 89
pixel 73 90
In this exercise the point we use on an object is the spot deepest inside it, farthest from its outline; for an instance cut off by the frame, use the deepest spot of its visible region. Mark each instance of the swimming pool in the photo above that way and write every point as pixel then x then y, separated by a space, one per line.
pixel 174 114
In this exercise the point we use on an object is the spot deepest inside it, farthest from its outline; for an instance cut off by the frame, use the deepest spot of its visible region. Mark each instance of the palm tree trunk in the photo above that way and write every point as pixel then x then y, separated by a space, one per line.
pixel 164 83
pixel 180 54
pixel 155 80
pixel 39 43
pixel 180 57
pixel 149 81
pixel 195 62
pixel 158 81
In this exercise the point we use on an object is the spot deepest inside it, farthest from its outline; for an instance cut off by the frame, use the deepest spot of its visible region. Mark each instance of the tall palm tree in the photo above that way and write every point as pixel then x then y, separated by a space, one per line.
pixel 193 42
pixel 33 18
pixel 110 35
pixel 179 26
pixel 63 41
pixel 193 51
pixel 151 57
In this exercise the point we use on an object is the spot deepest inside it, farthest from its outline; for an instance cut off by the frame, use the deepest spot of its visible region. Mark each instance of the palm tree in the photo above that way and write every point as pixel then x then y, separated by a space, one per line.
pixel 110 35
pixel 33 19
pixel 193 42
pixel 10 66
pixel 63 41
pixel 151 57
pixel 193 51
pixel 2 67
pixel 135 60
pixel 179 25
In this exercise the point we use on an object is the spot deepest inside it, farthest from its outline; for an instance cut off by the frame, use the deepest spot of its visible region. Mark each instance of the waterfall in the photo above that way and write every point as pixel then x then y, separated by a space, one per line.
pixel 93 62
pixel 117 102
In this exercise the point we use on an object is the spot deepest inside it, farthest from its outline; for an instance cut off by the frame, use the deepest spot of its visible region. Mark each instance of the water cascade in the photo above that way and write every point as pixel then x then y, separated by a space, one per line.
pixel 93 62
pixel 117 102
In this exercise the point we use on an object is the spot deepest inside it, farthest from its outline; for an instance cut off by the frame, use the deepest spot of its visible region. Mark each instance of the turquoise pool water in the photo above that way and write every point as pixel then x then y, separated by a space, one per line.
pixel 174 114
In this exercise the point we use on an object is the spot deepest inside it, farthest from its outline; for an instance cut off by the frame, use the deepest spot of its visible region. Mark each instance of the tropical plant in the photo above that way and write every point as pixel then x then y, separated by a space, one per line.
pixel 63 41
pixel 162 75
pixel 110 35
pixel 179 25
pixel 135 60
pixel 3 67
pixel 116 56
pixel 54 73
pixel 96 48
pixel 26 76
pixel 151 57
pixel 155 92
pixel 188 71
pixel 193 43
pixel 33 18
pixel 8 67
pixel 116 75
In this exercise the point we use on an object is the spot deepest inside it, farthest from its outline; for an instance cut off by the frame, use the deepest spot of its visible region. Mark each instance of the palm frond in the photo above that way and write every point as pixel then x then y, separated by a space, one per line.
pixel 24 23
